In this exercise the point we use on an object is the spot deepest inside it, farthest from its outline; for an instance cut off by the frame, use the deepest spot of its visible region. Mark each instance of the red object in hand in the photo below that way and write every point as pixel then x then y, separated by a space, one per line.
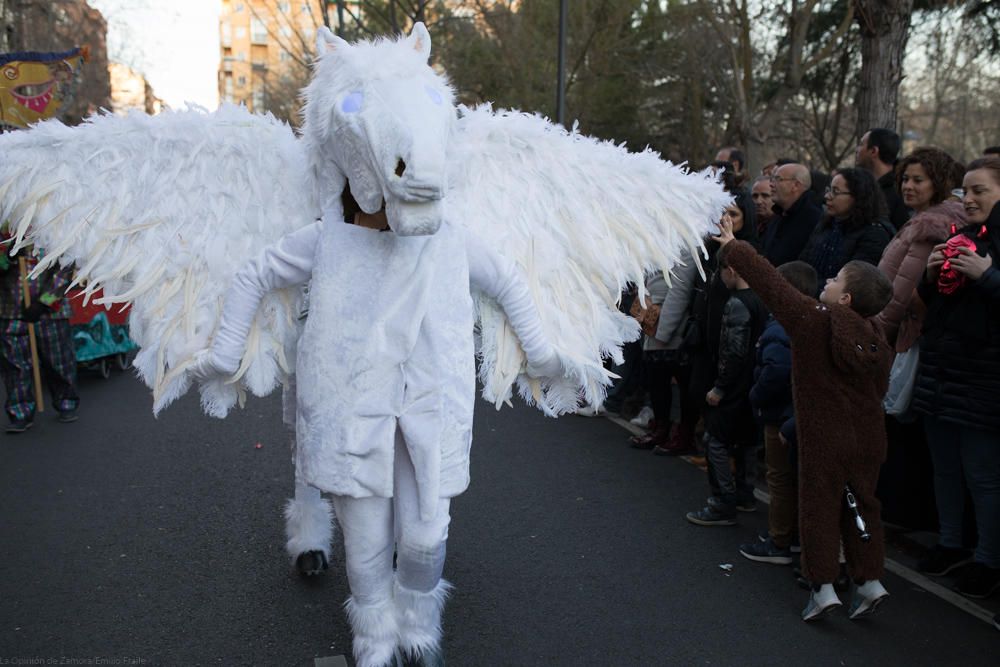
pixel 951 280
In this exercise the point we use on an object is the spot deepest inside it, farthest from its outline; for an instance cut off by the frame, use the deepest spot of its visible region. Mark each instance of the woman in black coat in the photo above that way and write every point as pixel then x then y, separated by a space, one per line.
pixel 852 228
pixel 958 383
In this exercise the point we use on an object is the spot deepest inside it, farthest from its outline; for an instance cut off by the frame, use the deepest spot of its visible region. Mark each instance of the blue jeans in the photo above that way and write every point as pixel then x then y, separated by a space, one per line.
pixel 961 452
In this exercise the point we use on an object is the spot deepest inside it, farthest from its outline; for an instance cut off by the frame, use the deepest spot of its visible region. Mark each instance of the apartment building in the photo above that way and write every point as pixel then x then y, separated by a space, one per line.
pixel 266 47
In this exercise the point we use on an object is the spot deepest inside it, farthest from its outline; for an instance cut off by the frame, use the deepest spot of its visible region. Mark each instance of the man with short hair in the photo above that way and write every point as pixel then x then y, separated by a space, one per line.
pixel 763 203
pixel 796 214
pixel 877 152
pixel 991 151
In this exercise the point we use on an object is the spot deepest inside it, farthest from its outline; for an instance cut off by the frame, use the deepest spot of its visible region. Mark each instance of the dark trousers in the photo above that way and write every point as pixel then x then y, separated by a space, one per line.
pixel 660 369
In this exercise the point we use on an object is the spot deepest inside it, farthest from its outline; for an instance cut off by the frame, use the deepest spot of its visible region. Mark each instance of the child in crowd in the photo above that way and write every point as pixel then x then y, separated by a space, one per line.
pixel 840 373
pixel 729 423
pixel 771 400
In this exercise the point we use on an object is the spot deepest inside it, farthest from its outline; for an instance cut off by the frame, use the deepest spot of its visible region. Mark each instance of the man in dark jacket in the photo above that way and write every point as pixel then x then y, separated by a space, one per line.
pixel 877 152
pixel 796 214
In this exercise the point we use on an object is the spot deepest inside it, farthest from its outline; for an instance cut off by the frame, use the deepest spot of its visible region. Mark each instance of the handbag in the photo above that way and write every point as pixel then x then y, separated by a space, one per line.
pixel 648 317
pixel 902 377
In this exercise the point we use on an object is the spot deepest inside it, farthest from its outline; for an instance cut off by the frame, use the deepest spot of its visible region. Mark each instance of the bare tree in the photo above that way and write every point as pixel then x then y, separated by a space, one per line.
pixel 885 28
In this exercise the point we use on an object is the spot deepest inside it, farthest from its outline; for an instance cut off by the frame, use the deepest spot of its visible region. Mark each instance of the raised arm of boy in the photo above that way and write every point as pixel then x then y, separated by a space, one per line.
pixel 793 309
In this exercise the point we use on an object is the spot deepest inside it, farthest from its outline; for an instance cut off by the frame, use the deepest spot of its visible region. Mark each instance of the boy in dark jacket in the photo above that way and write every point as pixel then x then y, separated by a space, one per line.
pixel 729 423
pixel 771 400
pixel 840 373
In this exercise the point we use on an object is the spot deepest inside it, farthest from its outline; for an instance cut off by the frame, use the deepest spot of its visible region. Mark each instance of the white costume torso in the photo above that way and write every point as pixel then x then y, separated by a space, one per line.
pixel 388 344
pixel 387 349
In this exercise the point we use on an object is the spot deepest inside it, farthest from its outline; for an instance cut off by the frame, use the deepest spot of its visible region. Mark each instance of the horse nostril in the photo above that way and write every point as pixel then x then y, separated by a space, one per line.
pixel 400 167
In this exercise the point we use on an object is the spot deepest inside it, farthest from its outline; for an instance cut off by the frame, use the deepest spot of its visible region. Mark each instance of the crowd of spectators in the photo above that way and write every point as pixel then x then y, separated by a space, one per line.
pixel 882 271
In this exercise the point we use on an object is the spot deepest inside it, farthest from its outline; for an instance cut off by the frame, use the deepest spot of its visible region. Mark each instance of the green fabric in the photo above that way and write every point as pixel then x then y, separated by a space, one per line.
pixel 48 299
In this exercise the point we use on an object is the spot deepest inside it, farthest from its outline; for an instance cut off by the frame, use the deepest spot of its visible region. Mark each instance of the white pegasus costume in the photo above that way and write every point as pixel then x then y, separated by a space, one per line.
pixel 210 223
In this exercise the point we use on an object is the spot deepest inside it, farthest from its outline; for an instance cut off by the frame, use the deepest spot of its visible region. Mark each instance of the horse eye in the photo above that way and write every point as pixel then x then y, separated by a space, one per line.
pixel 434 95
pixel 352 103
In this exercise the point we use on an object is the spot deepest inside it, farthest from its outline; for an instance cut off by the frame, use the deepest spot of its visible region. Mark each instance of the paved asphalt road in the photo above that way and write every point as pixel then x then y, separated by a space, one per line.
pixel 133 540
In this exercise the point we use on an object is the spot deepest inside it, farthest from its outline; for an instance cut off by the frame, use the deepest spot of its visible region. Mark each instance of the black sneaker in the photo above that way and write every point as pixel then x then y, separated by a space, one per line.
pixel 766 552
pixel 940 560
pixel 742 504
pixel 978 581
pixel 67 416
pixel 711 516
pixel 19 426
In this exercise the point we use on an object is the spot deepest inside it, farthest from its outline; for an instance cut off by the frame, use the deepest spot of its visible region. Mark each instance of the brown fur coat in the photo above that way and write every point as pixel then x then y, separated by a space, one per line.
pixel 840 372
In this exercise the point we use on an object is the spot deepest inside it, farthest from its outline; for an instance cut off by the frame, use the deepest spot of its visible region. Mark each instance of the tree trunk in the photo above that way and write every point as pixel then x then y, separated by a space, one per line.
pixel 885 29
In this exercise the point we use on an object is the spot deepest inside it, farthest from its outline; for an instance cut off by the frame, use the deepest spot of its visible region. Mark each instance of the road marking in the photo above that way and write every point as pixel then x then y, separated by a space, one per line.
pixel 897 568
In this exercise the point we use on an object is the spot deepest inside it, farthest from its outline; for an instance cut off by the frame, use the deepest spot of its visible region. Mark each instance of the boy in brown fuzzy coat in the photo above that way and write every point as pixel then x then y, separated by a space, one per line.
pixel 840 372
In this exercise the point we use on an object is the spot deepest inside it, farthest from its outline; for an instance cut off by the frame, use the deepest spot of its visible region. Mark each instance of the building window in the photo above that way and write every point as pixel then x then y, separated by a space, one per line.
pixel 241 56
pixel 258 31
pixel 284 7
pixel 258 99
pixel 241 81
pixel 229 88
pixel 284 56
pixel 239 7
pixel 227 34
pixel 241 32
pixel 286 31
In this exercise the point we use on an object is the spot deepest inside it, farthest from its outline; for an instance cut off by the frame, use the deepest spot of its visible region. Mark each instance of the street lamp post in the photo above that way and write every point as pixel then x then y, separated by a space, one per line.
pixel 561 74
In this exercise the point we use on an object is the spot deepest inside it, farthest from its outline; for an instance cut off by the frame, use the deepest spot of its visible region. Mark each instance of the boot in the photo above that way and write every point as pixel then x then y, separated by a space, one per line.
pixel 309 530
pixel 681 442
pixel 419 619
pixel 374 630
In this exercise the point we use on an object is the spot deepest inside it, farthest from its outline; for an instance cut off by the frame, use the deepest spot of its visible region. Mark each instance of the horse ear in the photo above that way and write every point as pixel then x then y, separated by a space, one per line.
pixel 326 42
pixel 420 40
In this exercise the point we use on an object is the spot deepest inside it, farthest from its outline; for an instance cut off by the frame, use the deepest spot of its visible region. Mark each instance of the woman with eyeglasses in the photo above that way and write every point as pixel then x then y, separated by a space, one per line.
pixel 851 228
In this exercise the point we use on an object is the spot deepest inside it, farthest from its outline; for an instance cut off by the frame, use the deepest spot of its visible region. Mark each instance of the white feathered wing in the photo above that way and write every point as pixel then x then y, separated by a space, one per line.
pixel 160 212
pixel 581 218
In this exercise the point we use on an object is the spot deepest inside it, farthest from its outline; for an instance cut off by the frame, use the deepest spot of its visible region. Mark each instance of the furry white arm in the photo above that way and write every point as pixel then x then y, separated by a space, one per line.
pixel 286 263
pixel 498 278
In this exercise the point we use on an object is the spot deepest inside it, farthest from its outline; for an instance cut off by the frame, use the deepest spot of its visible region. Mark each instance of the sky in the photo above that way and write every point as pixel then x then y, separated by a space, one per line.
pixel 174 43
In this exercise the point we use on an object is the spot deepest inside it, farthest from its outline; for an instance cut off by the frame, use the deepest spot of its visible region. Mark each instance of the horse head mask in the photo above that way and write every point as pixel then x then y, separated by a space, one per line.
pixel 377 115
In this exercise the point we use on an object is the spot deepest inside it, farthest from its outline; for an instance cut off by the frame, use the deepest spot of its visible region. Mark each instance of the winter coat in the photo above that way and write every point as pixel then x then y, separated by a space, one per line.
pixel 840 367
pixel 708 300
pixel 904 262
pixel 898 213
pixel 959 374
pixel 771 394
pixel 789 231
pixel 743 320
pixel 674 301
pixel 864 242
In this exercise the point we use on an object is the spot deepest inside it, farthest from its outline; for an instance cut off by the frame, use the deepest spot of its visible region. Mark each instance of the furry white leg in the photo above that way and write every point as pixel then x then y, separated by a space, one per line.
pixel 375 630
pixel 308 523
pixel 419 618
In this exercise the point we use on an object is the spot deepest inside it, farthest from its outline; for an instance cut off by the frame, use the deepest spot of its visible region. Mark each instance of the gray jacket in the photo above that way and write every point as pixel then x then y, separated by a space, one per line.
pixel 673 301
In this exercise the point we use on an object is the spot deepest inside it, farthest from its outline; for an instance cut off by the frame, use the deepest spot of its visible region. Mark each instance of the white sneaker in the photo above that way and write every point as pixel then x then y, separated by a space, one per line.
pixel 866 598
pixel 643 418
pixel 821 602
